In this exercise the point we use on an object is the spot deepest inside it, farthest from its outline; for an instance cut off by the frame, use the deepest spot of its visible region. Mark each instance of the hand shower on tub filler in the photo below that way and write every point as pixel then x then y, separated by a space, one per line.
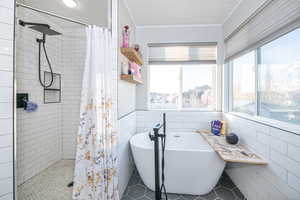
pixel 159 188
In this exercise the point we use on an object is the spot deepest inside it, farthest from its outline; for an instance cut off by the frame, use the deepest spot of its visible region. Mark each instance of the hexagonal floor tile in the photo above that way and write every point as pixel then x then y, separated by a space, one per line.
pixel 136 191
pixel 225 193
pixel 224 190
pixel 210 196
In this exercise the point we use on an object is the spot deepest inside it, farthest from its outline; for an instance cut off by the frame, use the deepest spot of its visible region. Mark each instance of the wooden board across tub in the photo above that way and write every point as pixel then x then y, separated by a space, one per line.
pixel 231 153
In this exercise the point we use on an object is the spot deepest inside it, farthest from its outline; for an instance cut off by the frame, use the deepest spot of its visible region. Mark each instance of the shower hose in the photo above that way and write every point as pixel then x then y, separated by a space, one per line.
pixel 42 43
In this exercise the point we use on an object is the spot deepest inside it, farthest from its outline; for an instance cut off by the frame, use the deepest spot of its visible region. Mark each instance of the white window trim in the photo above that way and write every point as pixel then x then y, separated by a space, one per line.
pixel 217 93
pixel 285 126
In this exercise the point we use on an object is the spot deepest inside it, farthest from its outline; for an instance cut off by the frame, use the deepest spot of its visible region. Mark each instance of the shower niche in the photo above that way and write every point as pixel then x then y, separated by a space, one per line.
pixel 52 94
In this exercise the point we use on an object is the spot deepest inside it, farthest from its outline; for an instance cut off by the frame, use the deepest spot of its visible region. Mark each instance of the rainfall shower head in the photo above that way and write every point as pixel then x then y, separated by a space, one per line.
pixel 45 30
pixel 42 28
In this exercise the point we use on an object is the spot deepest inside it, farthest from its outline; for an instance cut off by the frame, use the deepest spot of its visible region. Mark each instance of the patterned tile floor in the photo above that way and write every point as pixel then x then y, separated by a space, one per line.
pixel 50 184
pixel 225 190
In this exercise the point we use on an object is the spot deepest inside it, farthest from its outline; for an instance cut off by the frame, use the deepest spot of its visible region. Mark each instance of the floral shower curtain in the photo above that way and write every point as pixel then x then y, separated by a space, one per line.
pixel 96 158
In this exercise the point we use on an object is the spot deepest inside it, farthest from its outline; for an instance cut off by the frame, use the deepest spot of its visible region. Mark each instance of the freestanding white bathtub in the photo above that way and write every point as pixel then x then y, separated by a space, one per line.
pixel 191 165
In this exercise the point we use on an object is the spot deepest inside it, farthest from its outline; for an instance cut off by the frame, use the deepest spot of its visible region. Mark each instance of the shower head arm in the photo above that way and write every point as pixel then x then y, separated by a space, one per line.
pixel 23 23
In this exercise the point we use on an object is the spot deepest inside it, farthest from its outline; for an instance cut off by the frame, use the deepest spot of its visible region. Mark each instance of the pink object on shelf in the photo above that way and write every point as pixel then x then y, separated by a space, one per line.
pixel 135 69
pixel 126 37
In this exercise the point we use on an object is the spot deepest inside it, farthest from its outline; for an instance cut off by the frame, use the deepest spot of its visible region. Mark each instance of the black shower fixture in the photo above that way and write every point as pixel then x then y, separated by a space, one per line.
pixel 45 29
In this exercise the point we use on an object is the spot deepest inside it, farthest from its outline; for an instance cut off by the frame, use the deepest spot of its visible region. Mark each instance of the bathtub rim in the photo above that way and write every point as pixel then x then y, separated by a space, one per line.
pixel 208 150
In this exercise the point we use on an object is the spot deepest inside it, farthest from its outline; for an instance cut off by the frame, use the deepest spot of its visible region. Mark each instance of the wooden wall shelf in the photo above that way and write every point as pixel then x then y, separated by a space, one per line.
pixel 132 55
pixel 232 153
pixel 131 79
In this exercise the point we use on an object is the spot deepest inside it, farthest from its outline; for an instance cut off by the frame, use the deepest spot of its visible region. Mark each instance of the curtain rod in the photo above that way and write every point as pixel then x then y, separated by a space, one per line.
pixel 51 14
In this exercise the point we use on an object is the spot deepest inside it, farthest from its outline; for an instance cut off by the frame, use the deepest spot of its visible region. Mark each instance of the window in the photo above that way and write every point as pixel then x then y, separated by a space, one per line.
pixel 269 86
pixel 244 84
pixel 182 76
pixel 198 87
pixel 185 86
pixel 164 86
pixel 279 79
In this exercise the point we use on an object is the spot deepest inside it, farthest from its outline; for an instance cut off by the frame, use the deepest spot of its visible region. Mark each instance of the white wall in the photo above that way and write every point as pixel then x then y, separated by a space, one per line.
pixel 49 134
pixel 173 34
pixel 38 133
pixel 73 62
pixel 177 121
pixel 125 162
pixel 126 103
pixel 280 179
pixel 6 98
pixel 126 91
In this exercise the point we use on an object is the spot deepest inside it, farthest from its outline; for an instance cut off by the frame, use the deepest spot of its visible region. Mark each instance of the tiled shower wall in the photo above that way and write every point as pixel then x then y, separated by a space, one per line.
pixel 74 48
pixel 49 134
pixel 6 100
pixel 38 133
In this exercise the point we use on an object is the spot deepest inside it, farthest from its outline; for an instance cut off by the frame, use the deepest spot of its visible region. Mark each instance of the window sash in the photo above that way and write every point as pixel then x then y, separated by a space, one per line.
pixel 230 93
pixel 180 100
pixel 230 79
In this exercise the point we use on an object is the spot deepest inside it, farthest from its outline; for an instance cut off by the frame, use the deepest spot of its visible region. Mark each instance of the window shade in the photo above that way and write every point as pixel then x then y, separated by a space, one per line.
pixel 200 53
pixel 277 18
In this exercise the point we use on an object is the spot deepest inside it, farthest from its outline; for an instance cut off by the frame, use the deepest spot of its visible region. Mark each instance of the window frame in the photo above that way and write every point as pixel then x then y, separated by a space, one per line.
pixel 228 82
pixel 216 92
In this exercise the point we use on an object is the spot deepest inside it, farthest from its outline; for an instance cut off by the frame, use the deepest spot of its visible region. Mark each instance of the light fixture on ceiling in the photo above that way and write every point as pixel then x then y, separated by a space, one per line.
pixel 70 3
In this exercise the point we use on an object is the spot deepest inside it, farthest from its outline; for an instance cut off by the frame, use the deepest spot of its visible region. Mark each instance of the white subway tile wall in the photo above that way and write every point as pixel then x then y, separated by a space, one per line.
pixel 38 133
pixel 126 165
pixel 6 88
pixel 280 179
pixel 49 134
pixel 177 121
pixel 74 52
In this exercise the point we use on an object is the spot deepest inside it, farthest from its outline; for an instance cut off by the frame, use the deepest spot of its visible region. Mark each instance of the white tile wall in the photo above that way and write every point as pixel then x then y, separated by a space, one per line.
pixel 74 43
pixel 49 134
pixel 280 178
pixel 7 197
pixel 6 62
pixel 6 88
pixel 177 121
pixel 6 46
pixel 126 165
pixel 38 133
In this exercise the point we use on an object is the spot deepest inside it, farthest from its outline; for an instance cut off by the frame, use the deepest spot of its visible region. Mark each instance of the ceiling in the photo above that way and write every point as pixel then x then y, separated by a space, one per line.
pixel 94 12
pixel 180 12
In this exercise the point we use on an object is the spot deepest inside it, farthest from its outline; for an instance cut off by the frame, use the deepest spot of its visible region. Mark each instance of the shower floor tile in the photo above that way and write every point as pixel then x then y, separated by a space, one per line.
pixel 50 184
pixel 224 190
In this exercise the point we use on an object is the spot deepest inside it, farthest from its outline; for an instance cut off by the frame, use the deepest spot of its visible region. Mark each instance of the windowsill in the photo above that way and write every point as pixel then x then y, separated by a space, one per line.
pixel 292 128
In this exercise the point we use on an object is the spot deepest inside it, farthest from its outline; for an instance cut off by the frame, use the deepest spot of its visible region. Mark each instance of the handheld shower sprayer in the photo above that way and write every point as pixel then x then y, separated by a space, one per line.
pixel 159 188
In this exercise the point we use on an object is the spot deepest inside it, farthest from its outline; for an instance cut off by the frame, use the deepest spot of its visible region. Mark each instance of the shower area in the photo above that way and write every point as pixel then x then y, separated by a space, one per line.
pixel 50 59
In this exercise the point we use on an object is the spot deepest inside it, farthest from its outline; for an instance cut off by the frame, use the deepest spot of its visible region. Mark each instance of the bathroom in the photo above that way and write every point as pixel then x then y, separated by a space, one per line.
pixel 172 71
